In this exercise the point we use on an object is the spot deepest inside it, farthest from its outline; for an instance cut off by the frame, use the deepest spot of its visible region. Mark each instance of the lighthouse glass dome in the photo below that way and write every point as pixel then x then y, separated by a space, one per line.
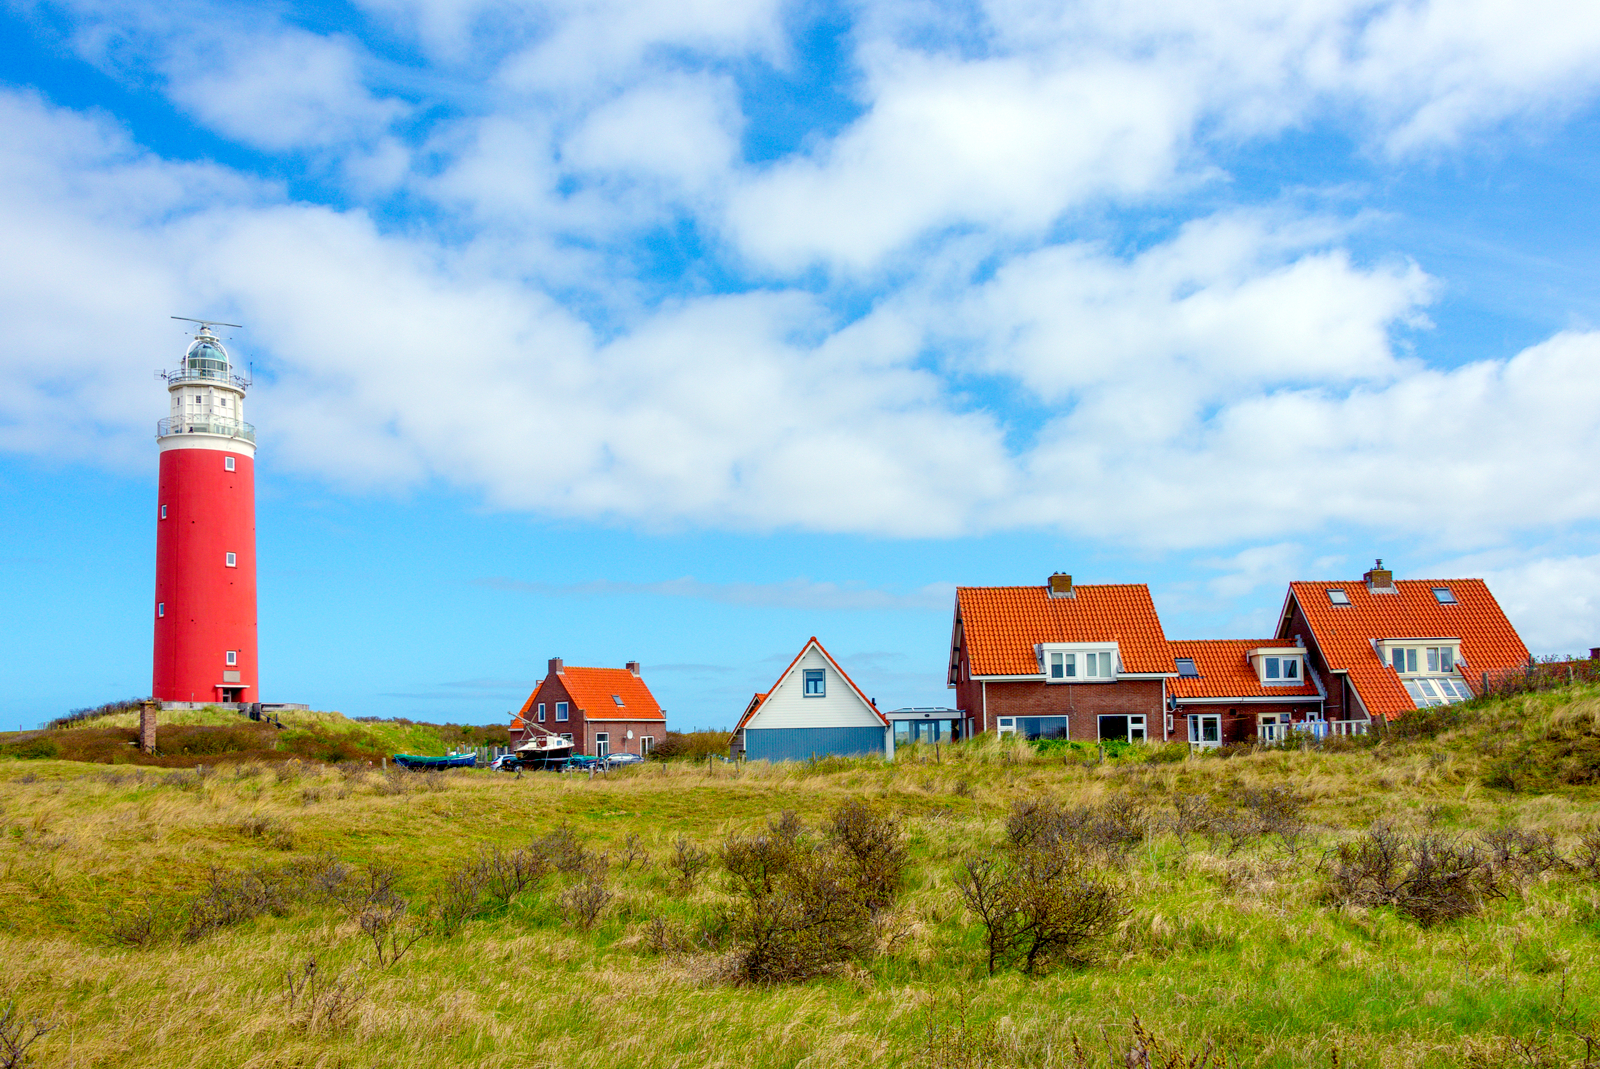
pixel 206 358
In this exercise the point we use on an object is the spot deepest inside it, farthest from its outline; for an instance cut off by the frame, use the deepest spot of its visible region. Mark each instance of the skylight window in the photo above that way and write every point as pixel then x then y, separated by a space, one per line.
pixel 1442 595
pixel 1337 596
pixel 1186 668
pixel 617 698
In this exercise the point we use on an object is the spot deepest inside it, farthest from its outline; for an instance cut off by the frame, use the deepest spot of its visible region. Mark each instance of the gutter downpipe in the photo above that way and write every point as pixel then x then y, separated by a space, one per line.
pixel 985 685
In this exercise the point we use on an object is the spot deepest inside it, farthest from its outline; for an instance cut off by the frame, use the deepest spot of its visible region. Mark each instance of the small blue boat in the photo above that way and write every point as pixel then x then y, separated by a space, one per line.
pixel 464 760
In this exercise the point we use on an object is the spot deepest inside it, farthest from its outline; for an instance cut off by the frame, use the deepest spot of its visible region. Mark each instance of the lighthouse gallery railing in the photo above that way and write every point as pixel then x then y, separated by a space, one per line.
pixel 227 428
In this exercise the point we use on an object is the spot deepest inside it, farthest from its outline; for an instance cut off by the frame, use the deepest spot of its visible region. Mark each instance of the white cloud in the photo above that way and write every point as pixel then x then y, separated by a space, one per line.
pixel 1552 599
pixel 682 131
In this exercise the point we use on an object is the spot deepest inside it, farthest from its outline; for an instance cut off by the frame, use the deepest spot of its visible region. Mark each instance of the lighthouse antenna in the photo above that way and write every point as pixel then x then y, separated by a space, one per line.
pixel 208 322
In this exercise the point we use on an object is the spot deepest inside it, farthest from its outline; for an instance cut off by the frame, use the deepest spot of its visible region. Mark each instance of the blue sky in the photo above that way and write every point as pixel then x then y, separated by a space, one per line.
pixel 682 331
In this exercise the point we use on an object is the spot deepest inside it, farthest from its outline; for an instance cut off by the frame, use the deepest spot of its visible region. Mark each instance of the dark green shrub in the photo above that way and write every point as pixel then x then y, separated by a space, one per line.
pixel 36 748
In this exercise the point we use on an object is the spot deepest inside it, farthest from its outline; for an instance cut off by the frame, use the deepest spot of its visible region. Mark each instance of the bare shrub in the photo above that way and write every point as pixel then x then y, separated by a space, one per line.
pixel 1522 855
pixel 1431 879
pixel 18 1035
pixel 1112 828
pixel 461 898
pixel 289 771
pixel 1275 811
pixel 394 781
pixel 687 862
pixel 140 926
pixel 633 852
pixel 391 930
pixel 319 1000
pixel 564 849
pixel 1586 859
pixel 1145 1051
pixel 873 848
pixel 310 795
pixel 811 921
pixel 231 898
pixel 510 874
pixel 667 937
pixel 433 782
pixel 582 902
pixel 1040 906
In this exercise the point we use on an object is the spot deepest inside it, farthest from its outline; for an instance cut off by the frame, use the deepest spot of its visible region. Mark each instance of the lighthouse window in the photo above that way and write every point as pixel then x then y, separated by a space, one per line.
pixel 161 608
pixel 233 560
pixel 227 462
pixel 233 658
pixel 163 512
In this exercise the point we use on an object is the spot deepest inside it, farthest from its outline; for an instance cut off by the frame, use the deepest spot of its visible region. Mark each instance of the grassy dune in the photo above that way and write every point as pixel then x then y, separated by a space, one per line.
pixel 1226 945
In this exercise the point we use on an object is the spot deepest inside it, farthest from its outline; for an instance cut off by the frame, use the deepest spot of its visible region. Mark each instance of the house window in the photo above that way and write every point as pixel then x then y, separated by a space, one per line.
pixel 1441 659
pixel 566 738
pixel 1077 664
pixel 561 711
pixel 227 463
pixel 1006 725
pixel 163 512
pixel 816 686
pixel 646 744
pixel 233 560
pixel 1122 728
pixel 540 714
pixel 1338 597
pixel 1280 671
pixel 618 699
pixel 1443 596
pixel 1425 692
pixel 1186 668
pixel 1041 727
pixel 602 744
pixel 1404 660
pixel 233 658
pixel 161 608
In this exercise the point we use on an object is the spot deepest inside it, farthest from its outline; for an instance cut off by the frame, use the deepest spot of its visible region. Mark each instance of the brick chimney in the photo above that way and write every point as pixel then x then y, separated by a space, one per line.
pixel 147 724
pixel 555 666
pixel 632 666
pixel 1061 586
pixel 1379 579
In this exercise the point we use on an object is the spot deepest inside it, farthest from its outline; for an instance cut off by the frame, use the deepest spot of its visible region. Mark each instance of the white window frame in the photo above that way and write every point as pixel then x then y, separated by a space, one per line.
pixel 163 512
pixel 229 464
pixel 819 676
pixel 1080 662
pixel 602 744
pixel 540 713
pixel 1143 726
pixel 1276 668
pixel 161 608
pixel 1197 729
pixel 562 712
pixel 1337 596
pixel 232 560
pixel 1005 725
pixel 646 744
pixel 232 658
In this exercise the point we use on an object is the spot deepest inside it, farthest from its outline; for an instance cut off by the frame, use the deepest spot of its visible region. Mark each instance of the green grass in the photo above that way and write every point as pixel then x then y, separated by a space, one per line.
pixel 1238 952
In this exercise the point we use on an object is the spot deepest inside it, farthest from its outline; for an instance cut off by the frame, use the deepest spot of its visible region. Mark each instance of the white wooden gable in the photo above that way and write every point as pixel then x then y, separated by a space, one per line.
pixel 840 706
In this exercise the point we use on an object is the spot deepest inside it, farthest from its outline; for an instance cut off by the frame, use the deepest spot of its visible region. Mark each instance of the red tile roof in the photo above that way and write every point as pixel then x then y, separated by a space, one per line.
pixel 1226 672
pixel 1001 624
pixel 756 702
pixel 1344 633
pixel 591 690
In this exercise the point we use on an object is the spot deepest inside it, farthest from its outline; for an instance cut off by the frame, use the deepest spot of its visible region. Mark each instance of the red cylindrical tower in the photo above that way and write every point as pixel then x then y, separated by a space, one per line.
pixel 205 611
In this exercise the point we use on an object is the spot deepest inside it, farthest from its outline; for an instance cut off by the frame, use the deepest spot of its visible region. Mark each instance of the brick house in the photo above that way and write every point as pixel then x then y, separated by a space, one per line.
pixel 600 711
pixel 1233 690
pixel 1061 661
pixel 1383 646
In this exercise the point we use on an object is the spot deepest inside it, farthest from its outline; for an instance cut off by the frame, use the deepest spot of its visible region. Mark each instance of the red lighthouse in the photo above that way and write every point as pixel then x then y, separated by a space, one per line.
pixel 205 610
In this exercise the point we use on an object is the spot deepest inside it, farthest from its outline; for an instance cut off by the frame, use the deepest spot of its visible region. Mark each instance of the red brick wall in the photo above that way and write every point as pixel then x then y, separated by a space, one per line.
pixel 1296 625
pixel 582 729
pixel 1081 703
pixel 1239 722
pixel 618 730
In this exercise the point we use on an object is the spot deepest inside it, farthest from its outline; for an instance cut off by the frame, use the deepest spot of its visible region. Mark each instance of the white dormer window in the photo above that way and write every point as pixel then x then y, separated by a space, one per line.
pixel 1079 662
pixel 1278 666
pixel 1431 657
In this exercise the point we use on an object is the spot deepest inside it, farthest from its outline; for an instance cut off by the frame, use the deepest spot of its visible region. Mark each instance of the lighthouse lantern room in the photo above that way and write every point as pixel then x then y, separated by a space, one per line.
pixel 205 604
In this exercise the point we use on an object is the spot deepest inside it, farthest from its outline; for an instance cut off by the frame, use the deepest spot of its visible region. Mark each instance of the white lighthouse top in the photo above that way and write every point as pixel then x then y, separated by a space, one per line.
pixel 207 400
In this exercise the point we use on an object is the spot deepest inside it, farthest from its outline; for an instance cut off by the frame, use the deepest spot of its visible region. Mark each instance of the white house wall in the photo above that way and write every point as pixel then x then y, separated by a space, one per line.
pixel 788 707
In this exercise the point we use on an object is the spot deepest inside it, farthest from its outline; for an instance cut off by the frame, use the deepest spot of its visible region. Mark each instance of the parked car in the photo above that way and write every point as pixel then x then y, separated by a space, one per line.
pixel 623 759
pixel 580 763
pixel 506 762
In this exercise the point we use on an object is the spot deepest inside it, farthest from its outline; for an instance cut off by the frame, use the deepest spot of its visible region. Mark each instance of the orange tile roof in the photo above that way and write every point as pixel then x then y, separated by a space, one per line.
pixel 1344 633
pixel 1226 672
pixel 591 690
pixel 1001 624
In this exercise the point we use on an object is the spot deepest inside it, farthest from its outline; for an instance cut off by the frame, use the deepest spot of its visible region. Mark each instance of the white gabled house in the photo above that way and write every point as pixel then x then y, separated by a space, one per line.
pixel 813 710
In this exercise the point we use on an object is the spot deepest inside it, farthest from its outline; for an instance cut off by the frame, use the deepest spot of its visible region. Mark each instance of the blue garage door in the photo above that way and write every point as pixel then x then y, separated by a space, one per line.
pixel 799 744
